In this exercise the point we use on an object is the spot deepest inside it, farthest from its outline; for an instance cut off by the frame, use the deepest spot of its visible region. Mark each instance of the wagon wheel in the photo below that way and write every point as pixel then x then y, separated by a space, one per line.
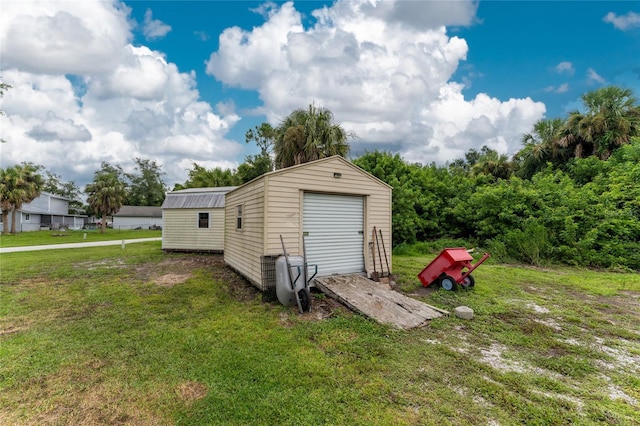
pixel 468 281
pixel 448 283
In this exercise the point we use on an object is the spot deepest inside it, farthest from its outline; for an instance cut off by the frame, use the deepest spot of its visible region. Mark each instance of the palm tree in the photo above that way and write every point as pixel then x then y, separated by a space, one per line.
pixel 611 119
pixel 541 147
pixel 489 162
pixel 107 194
pixel 307 135
pixel 18 185
pixel 5 199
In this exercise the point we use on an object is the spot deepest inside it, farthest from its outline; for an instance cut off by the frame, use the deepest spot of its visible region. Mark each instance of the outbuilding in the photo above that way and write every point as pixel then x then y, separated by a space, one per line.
pixel 331 202
pixel 193 219
pixel 138 217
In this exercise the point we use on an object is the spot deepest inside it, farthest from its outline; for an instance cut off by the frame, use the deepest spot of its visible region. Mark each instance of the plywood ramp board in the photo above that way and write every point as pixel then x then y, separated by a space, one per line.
pixel 378 301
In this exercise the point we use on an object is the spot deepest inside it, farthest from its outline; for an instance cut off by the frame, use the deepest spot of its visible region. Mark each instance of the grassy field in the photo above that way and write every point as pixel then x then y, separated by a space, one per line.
pixel 142 337
pixel 38 238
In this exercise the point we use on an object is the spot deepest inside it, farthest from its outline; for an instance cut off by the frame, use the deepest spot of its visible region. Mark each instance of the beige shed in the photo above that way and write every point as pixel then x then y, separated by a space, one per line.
pixel 193 219
pixel 332 202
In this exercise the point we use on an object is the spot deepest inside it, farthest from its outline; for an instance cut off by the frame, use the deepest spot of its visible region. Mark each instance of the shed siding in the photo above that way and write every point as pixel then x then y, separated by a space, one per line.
pixel 285 203
pixel 182 232
pixel 243 248
pixel 273 206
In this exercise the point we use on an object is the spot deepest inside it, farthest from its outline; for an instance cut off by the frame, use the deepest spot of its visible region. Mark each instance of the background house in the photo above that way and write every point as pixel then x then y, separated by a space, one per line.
pixel 331 201
pixel 138 217
pixel 47 211
pixel 193 219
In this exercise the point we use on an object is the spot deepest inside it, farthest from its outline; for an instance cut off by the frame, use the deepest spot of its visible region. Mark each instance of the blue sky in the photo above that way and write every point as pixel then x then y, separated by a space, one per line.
pixel 182 81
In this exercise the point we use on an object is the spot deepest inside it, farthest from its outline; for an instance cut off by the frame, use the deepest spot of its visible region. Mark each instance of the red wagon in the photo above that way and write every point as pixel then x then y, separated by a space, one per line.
pixel 447 268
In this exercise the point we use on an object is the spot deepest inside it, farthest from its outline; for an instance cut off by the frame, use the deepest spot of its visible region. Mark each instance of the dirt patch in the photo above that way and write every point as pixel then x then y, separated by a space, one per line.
pixel 322 308
pixel 12 325
pixel 11 329
pixel 78 395
pixel 37 282
pixel 177 268
pixel 494 356
pixel 423 291
pixel 177 264
pixel 189 392
pixel 537 308
pixel 626 304
pixel 169 280
pixel 105 264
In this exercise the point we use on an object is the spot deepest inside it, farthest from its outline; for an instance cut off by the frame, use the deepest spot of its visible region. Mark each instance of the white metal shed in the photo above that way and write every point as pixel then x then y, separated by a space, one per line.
pixel 138 217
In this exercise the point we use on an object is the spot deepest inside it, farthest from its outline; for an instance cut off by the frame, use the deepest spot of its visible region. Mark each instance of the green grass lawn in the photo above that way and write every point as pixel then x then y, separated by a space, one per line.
pixel 37 238
pixel 139 336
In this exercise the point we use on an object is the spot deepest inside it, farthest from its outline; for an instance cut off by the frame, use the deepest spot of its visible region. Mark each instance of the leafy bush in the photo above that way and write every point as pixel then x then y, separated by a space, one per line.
pixel 587 214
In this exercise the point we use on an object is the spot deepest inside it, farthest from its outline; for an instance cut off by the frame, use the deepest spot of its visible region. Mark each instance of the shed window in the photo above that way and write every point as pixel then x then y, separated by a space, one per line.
pixel 203 220
pixel 27 217
pixel 239 218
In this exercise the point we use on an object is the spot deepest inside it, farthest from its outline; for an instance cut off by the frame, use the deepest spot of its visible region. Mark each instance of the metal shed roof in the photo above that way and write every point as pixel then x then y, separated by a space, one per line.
pixel 139 211
pixel 196 198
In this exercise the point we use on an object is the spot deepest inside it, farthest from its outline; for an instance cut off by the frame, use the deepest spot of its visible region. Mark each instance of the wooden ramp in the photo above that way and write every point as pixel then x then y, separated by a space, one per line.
pixel 378 301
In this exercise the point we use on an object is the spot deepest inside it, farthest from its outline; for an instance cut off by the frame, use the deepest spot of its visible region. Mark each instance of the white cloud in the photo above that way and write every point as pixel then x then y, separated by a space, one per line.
pixel 153 28
pixel 594 77
pixel 124 101
pixel 62 37
pixel 565 67
pixel 54 128
pixel 421 15
pixel 83 93
pixel 383 75
pixel 142 74
pixel 202 35
pixel 623 22
pixel 563 88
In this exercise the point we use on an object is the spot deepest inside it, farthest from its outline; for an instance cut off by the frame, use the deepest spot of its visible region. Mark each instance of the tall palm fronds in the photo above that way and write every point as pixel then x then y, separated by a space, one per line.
pixel 611 119
pixel 307 135
pixel 541 147
pixel 19 184
pixel 492 163
pixel 107 194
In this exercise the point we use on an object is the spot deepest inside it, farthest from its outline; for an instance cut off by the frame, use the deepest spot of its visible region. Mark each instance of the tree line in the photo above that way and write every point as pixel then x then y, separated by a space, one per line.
pixel 570 195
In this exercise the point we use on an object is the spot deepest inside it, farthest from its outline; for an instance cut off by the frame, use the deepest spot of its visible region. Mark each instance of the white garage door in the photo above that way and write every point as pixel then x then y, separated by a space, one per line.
pixel 333 226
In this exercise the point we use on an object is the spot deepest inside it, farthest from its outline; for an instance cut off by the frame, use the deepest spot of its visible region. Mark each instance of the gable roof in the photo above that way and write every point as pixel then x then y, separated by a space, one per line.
pixel 197 198
pixel 139 211
pixel 326 159
pixel 52 195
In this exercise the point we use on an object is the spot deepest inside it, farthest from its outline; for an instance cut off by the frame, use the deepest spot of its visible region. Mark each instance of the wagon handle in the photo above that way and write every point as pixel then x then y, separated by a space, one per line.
pixel 473 267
